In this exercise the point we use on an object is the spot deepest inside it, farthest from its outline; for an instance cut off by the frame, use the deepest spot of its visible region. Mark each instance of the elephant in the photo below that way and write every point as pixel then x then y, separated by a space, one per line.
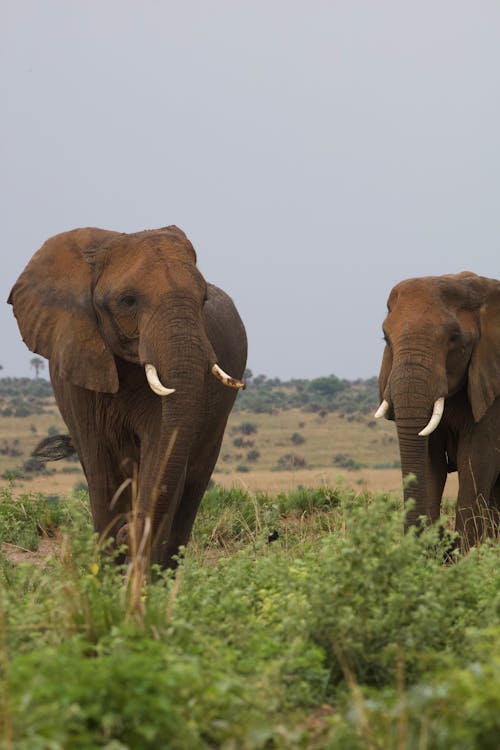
pixel 139 348
pixel 440 382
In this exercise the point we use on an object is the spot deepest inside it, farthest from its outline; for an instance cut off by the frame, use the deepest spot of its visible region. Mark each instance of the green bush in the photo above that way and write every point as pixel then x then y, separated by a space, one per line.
pixel 24 519
pixel 246 428
pixel 346 462
pixel 354 637
pixel 292 461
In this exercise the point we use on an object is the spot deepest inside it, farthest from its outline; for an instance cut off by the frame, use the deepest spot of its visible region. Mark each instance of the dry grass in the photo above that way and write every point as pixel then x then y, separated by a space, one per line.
pixel 361 438
pixel 373 480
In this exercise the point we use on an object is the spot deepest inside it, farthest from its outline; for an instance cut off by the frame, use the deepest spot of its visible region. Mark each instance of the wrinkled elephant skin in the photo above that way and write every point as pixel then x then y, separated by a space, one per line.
pixel 145 361
pixel 440 382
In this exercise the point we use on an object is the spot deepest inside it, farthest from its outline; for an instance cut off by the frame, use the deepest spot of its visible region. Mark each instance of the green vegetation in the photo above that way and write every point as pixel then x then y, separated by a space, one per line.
pixel 22 397
pixel 25 518
pixel 27 387
pixel 346 462
pixel 292 461
pixel 341 633
pixel 263 395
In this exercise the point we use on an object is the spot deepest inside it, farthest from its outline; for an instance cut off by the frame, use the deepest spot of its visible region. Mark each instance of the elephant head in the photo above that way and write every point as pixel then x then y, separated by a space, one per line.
pixel 442 338
pixel 95 302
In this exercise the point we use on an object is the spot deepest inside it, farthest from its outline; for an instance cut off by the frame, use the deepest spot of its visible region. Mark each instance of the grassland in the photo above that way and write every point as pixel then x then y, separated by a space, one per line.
pixel 352 438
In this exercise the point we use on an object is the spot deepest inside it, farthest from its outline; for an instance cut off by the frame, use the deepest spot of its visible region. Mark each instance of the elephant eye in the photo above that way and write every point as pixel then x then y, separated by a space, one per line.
pixel 127 301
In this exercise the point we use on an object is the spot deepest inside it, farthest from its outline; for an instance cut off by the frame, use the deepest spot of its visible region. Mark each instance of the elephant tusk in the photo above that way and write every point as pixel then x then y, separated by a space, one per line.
pixel 226 379
pixel 155 383
pixel 382 410
pixel 437 413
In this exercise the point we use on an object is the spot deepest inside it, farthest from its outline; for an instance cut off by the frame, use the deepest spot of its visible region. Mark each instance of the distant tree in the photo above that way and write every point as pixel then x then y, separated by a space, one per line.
pixel 327 386
pixel 37 364
pixel 259 380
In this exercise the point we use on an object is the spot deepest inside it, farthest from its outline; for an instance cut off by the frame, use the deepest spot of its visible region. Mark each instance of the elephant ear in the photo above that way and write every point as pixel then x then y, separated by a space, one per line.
pixel 484 368
pixel 52 305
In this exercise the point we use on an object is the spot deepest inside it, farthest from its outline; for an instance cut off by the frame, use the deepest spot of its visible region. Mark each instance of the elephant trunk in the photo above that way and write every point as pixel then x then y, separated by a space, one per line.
pixel 413 393
pixel 181 355
pixel 413 453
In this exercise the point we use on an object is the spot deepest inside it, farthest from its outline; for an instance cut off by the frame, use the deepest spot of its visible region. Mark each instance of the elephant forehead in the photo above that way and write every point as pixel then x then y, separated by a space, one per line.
pixel 149 274
pixel 458 291
pixel 151 243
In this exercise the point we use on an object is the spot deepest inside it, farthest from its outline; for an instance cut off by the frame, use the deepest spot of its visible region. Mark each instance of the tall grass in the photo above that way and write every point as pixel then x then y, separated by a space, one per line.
pixel 339 633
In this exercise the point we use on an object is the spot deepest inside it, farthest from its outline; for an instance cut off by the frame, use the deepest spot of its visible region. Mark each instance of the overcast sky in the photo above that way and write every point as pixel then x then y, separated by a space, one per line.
pixel 315 152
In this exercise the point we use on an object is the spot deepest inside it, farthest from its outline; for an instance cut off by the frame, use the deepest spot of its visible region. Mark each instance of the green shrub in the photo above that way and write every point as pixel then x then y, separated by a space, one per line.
pixel 292 461
pixel 24 519
pixel 346 462
pixel 246 428
pixel 355 637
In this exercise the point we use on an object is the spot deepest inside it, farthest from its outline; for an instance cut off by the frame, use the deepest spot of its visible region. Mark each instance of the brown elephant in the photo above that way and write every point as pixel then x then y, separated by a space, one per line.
pixel 136 341
pixel 440 382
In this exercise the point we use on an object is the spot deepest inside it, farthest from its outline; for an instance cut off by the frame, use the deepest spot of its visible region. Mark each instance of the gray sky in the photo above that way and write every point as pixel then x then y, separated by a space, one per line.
pixel 315 152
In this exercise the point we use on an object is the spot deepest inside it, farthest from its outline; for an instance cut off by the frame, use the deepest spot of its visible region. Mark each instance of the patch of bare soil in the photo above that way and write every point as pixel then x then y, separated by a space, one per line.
pixel 16 554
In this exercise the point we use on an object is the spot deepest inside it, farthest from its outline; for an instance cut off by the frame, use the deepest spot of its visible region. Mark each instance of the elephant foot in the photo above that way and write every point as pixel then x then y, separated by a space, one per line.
pixel 121 538
pixel 133 538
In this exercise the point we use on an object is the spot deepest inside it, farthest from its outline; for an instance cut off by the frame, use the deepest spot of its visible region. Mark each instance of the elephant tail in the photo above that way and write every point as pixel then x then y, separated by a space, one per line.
pixel 54 448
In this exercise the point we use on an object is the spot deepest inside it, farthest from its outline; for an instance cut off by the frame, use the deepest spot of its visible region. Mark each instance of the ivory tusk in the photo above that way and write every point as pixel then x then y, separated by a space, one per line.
pixel 226 379
pixel 155 383
pixel 382 410
pixel 437 413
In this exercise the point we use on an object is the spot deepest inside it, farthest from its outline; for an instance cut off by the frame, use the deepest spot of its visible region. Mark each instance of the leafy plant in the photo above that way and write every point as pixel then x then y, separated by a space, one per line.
pixel 343 633
pixel 24 519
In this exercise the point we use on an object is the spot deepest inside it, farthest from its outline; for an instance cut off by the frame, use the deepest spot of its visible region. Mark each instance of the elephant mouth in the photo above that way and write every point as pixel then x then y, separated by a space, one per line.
pixel 437 413
pixel 161 390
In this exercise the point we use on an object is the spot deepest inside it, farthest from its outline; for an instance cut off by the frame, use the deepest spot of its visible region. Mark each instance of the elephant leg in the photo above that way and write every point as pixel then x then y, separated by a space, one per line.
pixel 109 503
pixel 495 497
pixel 476 514
pixel 198 476
pixel 436 476
pixel 93 421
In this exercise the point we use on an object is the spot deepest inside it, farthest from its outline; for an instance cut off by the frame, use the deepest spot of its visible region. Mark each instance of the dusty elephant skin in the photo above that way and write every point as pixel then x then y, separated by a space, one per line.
pixel 139 347
pixel 440 382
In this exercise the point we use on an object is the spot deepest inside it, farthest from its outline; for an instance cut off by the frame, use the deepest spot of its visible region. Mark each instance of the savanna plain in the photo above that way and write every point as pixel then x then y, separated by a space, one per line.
pixel 300 616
